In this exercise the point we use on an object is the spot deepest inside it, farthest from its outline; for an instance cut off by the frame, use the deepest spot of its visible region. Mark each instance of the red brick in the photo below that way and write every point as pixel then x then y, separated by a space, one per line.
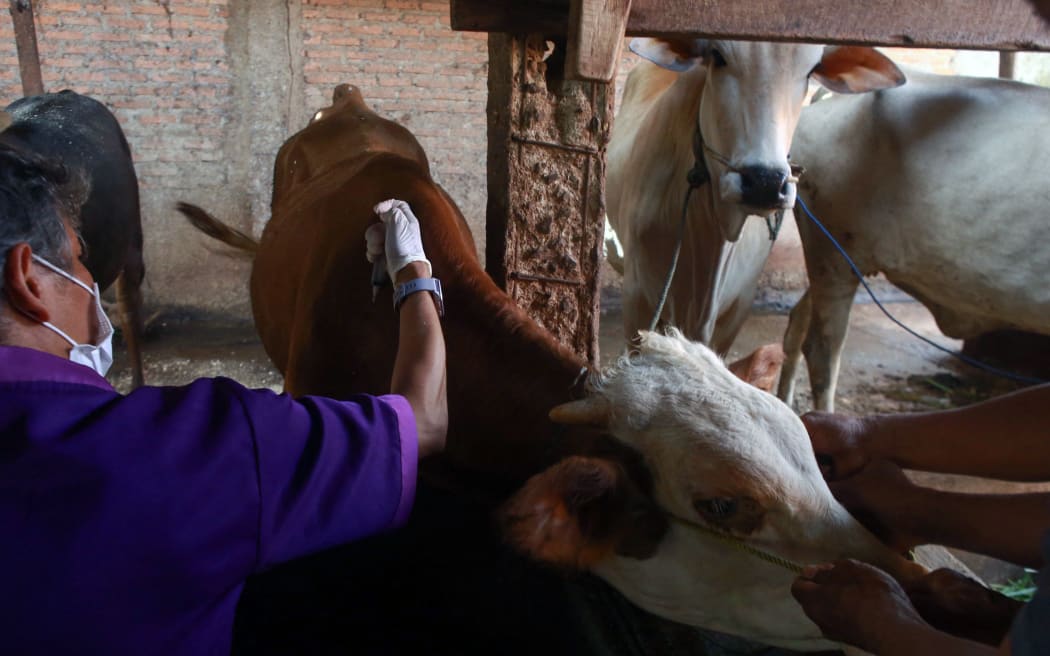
pixel 149 9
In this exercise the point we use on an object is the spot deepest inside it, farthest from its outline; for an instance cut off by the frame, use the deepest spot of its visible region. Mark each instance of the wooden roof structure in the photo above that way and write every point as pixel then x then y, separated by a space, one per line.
pixel 963 24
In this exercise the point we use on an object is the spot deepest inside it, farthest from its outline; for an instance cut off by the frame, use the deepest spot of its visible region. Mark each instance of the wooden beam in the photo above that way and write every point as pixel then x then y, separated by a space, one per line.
pixel 25 41
pixel 965 24
pixel 596 31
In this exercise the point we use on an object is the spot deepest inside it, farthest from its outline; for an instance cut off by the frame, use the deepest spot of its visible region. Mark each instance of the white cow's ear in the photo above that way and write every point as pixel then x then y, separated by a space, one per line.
pixel 581 511
pixel 675 55
pixel 856 69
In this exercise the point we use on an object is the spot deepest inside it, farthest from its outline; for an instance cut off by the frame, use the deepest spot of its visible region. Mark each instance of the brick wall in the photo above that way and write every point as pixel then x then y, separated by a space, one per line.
pixel 163 72
pixel 413 69
pixel 191 82
pixel 164 75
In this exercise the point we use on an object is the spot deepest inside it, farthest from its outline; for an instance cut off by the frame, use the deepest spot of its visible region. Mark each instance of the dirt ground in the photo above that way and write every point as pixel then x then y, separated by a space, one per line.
pixel 883 369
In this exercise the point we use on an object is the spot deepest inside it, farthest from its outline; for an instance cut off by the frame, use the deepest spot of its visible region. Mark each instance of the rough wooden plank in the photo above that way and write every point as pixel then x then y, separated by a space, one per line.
pixel 546 176
pixel 596 31
pixel 966 24
pixel 541 16
pixel 25 42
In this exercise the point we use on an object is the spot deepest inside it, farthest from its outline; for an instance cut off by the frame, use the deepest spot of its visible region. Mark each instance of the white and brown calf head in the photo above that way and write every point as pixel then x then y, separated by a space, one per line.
pixel 708 449
pixel 752 97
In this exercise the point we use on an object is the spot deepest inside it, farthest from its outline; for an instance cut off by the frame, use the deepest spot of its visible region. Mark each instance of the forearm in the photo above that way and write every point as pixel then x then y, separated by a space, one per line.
pixel 1009 527
pixel 1007 437
pixel 419 369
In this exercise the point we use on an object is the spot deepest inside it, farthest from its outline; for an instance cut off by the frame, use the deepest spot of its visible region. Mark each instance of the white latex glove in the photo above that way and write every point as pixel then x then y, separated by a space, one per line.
pixel 397 237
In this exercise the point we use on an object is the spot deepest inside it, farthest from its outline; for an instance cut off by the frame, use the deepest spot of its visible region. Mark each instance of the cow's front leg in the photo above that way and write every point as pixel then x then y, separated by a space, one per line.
pixel 825 338
pixel 797 329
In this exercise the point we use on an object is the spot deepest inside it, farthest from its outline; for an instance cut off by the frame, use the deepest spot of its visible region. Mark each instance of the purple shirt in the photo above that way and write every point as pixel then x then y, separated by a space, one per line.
pixel 128 524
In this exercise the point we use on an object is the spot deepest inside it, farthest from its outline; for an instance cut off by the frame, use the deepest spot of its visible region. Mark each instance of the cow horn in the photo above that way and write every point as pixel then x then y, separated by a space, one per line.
pixel 592 411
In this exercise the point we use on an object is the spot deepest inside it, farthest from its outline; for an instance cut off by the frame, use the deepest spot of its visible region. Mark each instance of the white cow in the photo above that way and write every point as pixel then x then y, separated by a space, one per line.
pixel 717 453
pixel 745 98
pixel 943 186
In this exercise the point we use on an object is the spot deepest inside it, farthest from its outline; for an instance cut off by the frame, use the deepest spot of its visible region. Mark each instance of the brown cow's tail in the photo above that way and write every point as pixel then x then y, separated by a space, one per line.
pixel 244 245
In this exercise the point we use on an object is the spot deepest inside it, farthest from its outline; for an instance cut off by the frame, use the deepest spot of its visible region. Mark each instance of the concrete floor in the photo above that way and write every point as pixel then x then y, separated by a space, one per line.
pixel 883 369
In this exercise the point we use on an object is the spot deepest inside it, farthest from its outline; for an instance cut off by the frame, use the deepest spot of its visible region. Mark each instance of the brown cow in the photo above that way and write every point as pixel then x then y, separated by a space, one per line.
pixel 693 445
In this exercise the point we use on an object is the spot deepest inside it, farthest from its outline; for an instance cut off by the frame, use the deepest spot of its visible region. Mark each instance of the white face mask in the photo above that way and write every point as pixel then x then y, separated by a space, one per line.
pixel 98 356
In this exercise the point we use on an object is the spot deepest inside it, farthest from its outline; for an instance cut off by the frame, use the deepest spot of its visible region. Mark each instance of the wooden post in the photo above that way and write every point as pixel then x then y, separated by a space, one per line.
pixel 596 31
pixel 25 41
pixel 1007 64
pixel 546 179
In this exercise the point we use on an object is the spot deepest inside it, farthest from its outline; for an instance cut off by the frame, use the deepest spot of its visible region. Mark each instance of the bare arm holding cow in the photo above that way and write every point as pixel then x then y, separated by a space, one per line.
pixel 860 605
pixel 1002 438
pixel 862 458
pixel 903 514
pixel 419 370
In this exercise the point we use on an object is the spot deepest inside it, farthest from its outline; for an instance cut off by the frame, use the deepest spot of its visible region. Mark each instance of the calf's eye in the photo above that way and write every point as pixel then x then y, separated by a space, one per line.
pixel 716 507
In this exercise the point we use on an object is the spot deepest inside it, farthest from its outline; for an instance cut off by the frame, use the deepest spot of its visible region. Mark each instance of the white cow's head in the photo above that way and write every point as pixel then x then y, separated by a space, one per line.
pixel 752 98
pixel 711 451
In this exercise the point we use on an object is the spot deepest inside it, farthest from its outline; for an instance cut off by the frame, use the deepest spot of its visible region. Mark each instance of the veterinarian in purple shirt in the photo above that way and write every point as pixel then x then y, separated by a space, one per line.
pixel 128 524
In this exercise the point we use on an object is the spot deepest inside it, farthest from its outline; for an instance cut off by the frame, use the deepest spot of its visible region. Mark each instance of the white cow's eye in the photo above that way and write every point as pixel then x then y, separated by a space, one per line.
pixel 716 58
pixel 716 508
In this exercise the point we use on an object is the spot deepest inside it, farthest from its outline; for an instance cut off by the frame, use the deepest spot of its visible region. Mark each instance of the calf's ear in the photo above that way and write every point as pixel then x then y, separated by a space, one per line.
pixel 761 368
pixel 581 511
pixel 856 69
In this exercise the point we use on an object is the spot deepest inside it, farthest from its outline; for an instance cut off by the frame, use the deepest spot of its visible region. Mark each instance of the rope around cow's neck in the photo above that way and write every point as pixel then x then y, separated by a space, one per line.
pixel 738 543
pixel 697 177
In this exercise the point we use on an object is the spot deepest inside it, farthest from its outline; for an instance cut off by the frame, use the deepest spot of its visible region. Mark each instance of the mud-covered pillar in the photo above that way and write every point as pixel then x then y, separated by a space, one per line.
pixel 546 182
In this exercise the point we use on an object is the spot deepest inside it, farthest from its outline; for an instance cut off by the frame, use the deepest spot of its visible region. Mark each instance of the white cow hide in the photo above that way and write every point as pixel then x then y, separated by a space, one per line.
pixel 722 455
pixel 746 98
pixel 943 186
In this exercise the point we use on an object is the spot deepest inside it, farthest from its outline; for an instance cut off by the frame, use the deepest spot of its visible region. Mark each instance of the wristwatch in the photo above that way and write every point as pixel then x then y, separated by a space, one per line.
pixel 432 285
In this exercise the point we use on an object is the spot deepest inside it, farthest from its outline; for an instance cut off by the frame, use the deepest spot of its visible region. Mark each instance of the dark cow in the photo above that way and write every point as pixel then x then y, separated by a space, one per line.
pixel 81 133
pixel 691 446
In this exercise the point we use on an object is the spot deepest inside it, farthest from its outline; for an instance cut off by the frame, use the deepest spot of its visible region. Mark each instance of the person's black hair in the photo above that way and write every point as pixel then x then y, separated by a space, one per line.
pixel 37 195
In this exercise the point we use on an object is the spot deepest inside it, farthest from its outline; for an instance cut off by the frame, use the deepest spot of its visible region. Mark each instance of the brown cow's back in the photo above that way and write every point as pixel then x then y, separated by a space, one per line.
pixel 312 297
